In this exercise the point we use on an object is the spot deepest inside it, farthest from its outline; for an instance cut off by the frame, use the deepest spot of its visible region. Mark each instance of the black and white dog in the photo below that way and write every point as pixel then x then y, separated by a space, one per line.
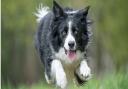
pixel 62 40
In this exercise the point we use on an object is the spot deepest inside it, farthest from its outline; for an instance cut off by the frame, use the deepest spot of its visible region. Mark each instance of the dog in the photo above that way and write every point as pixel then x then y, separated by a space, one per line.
pixel 62 40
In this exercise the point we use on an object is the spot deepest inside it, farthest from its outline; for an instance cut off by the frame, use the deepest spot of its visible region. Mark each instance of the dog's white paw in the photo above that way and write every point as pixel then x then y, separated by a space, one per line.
pixel 84 71
pixel 58 74
pixel 61 80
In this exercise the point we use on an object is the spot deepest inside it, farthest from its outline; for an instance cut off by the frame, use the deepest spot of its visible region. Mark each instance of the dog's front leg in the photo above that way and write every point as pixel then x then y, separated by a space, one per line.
pixel 59 74
pixel 83 73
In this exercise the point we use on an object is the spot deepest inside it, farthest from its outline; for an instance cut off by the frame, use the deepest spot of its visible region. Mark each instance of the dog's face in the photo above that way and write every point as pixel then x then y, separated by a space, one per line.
pixel 70 30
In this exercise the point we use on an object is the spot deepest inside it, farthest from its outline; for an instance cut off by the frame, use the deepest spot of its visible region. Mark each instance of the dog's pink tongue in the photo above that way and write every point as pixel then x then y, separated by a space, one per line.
pixel 72 55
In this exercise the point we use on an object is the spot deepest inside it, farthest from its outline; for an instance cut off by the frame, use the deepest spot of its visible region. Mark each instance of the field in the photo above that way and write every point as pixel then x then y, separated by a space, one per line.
pixel 108 50
pixel 113 81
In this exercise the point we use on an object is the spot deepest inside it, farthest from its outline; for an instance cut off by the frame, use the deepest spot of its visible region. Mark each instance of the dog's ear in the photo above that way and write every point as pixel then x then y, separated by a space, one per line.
pixel 82 14
pixel 84 11
pixel 57 10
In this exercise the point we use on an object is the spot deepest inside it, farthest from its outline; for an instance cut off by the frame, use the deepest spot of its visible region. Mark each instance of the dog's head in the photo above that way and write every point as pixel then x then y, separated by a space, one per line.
pixel 69 30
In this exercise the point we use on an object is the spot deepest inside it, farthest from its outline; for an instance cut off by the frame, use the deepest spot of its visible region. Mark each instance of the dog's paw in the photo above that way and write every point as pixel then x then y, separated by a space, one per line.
pixel 84 72
pixel 58 74
pixel 61 81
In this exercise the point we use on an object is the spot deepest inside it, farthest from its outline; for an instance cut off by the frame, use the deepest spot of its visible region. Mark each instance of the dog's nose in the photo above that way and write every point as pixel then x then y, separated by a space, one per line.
pixel 71 44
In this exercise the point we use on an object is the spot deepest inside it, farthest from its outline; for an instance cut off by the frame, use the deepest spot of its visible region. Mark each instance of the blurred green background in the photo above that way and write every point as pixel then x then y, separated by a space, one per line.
pixel 108 52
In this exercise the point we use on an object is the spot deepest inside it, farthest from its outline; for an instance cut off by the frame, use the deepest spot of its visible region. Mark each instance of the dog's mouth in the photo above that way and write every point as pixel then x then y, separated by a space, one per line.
pixel 71 54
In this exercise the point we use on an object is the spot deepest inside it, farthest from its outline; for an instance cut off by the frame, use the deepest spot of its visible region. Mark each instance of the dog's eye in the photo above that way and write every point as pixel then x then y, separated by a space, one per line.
pixel 75 32
pixel 64 33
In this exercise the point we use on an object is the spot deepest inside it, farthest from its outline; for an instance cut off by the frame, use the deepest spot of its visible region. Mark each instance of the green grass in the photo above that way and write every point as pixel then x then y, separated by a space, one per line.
pixel 113 81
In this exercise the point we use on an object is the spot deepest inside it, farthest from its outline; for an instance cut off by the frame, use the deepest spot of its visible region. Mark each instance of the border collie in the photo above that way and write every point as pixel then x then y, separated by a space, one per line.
pixel 61 41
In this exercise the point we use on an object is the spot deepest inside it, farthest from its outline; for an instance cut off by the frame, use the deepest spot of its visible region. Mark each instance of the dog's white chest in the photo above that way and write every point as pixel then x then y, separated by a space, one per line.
pixel 69 65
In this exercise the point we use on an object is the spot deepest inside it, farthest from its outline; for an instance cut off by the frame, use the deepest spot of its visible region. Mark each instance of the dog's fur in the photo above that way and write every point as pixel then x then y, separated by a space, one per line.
pixel 61 41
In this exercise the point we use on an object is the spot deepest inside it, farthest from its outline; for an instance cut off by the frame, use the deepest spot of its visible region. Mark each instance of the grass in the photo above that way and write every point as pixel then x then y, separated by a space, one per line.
pixel 113 81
